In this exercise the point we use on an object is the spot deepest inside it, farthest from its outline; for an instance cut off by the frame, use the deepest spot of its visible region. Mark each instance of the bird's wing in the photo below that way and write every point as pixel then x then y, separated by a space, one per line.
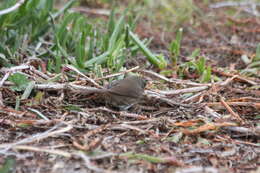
pixel 126 89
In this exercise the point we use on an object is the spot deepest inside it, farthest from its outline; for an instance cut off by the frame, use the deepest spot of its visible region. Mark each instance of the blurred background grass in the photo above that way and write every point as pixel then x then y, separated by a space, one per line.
pixel 103 36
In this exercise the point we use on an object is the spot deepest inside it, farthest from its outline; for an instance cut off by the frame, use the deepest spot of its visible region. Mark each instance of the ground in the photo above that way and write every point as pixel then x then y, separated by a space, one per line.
pixel 183 124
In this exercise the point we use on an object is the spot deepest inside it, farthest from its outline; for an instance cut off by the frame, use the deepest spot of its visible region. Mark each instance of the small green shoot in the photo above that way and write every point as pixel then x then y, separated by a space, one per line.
pixel 28 90
pixel 175 137
pixel 8 165
pixel 196 67
pixel 203 141
pixel 175 47
pixel 145 157
pixel 20 81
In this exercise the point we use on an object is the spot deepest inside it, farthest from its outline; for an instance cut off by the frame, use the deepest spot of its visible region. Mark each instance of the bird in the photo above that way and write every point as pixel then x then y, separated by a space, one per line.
pixel 124 93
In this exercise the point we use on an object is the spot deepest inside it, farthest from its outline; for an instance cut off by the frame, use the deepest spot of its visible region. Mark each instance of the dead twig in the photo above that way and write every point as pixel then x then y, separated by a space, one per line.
pixel 231 111
pixel 89 165
pixel 64 86
pixel 181 91
pixel 176 81
pixel 118 74
pixel 28 122
pixel 131 127
pixel 244 130
pixel 96 130
pixel 207 127
pixel 1 99
pixel 212 112
pixel 91 146
pixel 91 11
pixel 232 3
pixel 13 8
pixel 10 71
pixel 229 140
pixel 197 169
pixel 122 113
pixel 247 104
pixel 87 78
pixel 161 98
pixel 37 137
pixel 148 121
pixel 237 77
pixel 194 97
pixel 39 73
pixel 4 78
pixel 245 99
pixel 14 69
pixel 38 149
pixel 226 82
pixel 15 113
pixel 39 114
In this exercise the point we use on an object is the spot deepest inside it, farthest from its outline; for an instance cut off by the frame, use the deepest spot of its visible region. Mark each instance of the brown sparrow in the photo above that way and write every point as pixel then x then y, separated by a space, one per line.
pixel 124 93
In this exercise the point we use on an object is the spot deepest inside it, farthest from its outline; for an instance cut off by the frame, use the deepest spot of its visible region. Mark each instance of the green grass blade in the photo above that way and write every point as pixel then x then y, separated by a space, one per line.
pixel 159 62
pixel 64 8
pixel 117 31
pixel 28 90
pixel 97 60
pixel 8 165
